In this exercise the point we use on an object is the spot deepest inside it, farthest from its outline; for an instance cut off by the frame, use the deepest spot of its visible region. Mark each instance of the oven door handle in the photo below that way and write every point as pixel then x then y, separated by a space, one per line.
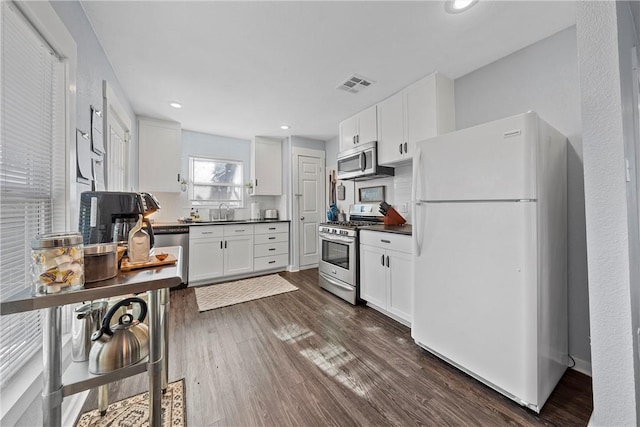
pixel 339 285
pixel 334 238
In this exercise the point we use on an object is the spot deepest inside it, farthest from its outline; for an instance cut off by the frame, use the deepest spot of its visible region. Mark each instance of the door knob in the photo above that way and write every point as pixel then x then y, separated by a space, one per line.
pixel 301 218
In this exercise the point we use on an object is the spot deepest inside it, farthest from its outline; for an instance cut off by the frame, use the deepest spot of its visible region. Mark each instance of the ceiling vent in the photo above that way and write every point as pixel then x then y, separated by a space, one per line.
pixel 356 83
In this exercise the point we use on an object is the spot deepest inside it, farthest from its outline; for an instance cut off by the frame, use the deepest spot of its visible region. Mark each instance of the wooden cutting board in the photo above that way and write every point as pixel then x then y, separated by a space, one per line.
pixel 153 262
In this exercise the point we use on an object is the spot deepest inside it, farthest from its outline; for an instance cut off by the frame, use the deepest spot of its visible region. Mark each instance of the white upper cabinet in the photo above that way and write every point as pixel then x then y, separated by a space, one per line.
pixel 359 129
pixel 420 111
pixel 159 155
pixel 391 128
pixel 266 166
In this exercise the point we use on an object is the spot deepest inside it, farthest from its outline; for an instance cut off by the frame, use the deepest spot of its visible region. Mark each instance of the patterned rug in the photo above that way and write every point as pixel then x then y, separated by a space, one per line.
pixel 225 294
pixel 134 411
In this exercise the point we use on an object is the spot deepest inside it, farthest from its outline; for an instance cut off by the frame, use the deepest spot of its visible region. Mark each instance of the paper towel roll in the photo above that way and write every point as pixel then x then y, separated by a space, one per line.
pixel 255 210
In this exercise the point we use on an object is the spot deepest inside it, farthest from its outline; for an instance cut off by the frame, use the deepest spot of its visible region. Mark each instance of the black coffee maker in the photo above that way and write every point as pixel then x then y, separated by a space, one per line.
pixel 107 216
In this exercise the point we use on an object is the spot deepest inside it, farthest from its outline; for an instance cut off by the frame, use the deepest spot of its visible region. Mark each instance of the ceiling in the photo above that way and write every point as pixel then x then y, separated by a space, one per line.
pixel 244 68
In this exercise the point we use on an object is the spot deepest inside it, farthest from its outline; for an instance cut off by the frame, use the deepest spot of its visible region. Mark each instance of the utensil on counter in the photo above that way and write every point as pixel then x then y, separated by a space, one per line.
pixel 122 345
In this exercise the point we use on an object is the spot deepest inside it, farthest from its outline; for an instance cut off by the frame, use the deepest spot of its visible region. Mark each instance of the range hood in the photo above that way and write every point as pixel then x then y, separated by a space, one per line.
pixel 361 163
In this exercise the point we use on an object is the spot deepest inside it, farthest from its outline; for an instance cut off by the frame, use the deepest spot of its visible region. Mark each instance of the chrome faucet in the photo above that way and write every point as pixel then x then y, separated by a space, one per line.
pixel 226 211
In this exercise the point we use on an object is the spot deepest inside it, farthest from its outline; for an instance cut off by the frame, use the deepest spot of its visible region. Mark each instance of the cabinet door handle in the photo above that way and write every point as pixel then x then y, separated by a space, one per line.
pixel 400 146
pixel 239 231
pixel 256 182
pixel 207 232
pixel 225 245
pixel 272 249
pixel 272 238
pixel 385 241
pixel 387 260
pixel 272 228
pixel 178 177
pixel 220 244
pixel 272 262
pixel 354 139
pixel 382 260
pixel 358 139
pixel 405 148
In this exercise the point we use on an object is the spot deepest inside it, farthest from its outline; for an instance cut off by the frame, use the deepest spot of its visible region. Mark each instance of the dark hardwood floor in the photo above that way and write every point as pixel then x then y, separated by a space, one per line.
pixel 307 358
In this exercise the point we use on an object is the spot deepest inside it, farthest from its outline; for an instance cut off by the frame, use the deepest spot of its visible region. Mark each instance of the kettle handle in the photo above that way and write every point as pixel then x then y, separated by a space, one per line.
pixel 106 322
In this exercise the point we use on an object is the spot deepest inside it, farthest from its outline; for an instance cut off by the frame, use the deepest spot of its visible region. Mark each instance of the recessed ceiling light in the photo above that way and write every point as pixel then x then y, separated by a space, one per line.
pixel 457 6
pixel 175 104
pixel 284 127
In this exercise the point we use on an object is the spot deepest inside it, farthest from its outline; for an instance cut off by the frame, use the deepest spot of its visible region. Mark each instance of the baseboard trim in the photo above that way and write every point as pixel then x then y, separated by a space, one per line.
pixel 582 366
pixel 72 407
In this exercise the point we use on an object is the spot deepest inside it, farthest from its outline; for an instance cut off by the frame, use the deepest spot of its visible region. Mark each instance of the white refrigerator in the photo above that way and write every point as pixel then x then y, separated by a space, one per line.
pixel 490 254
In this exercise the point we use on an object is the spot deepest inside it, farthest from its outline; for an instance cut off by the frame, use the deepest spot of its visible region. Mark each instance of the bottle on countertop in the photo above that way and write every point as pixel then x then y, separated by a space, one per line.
pixel 192 214
pixel 197 216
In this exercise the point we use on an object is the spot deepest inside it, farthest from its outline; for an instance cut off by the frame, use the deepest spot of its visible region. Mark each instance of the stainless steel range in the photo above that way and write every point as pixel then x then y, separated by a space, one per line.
pixel 339 263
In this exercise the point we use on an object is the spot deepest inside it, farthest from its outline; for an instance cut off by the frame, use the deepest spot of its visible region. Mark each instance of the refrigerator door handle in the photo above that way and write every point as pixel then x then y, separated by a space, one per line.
pixel 417 171
pixel 417 237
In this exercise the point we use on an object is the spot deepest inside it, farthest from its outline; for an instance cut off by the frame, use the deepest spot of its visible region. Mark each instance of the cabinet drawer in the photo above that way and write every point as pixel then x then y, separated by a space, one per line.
pixel 272 227
pixel 395 242
pixel 237 230
pixel 269 262
pixel 271 238
pixel 204 231
pixel 267 249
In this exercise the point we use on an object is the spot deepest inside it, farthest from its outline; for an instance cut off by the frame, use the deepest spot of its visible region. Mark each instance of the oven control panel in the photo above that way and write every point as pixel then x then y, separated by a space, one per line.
pixel 338 231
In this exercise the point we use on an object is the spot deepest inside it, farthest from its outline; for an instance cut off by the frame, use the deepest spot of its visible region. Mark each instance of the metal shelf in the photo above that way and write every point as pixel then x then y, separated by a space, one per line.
pixel 77 377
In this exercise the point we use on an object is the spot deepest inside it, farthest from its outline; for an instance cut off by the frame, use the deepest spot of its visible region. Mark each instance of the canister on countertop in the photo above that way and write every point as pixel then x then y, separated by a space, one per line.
pixel 57 263
pixel 100 261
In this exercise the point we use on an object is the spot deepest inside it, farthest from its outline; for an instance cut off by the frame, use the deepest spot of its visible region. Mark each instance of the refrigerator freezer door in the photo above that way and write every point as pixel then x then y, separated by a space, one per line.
pixel 493 161
pixel 476 291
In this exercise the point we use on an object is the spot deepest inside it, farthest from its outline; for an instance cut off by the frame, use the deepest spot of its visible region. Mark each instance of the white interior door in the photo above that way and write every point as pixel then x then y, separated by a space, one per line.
pixel 310 208
pixel 117 156
pixel 117 130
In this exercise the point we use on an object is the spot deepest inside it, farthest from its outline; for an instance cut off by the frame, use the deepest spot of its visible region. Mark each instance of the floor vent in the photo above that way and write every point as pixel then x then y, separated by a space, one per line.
pixel 356 83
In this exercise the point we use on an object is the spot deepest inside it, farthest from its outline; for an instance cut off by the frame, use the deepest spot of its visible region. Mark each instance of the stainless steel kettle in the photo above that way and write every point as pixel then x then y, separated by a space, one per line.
pixel 122 345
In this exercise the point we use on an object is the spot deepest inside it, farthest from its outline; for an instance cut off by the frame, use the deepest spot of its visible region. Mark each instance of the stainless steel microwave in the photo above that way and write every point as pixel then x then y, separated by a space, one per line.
pixel 361 163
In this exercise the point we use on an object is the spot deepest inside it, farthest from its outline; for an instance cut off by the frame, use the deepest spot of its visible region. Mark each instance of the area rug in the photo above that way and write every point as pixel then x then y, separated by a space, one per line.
pixel 134 411
pixel 225 294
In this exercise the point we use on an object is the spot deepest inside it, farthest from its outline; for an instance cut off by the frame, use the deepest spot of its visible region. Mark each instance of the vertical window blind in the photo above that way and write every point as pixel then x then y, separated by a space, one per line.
pixel 32 173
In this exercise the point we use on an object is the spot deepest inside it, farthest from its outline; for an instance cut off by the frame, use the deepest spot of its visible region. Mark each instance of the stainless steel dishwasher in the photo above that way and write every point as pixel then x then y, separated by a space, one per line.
pixel 174 235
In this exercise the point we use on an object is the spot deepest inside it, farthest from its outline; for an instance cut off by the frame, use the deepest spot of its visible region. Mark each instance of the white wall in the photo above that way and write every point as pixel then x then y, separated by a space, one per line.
pixel 93 68
pixel 397 188
pixel 176 205
pixel 542 77
pixel 605 38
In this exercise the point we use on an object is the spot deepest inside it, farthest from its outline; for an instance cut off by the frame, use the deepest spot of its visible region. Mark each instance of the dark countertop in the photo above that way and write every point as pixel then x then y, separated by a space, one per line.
pixel 397 229
pixel 239 221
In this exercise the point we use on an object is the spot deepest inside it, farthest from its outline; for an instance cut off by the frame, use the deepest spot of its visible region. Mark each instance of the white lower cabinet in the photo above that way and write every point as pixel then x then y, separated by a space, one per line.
pixel 238 255
pixel 386 273
pixel 271 249
pixel 216 251
pixel 206 253
pixel 220 251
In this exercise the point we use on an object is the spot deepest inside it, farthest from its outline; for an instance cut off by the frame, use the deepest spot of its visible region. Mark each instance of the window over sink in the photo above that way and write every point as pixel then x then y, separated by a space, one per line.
pixel 216 181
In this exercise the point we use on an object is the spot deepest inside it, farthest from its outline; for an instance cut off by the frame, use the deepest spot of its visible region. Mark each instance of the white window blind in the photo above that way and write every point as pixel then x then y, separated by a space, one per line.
pixel 216 181
pixel 32 172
